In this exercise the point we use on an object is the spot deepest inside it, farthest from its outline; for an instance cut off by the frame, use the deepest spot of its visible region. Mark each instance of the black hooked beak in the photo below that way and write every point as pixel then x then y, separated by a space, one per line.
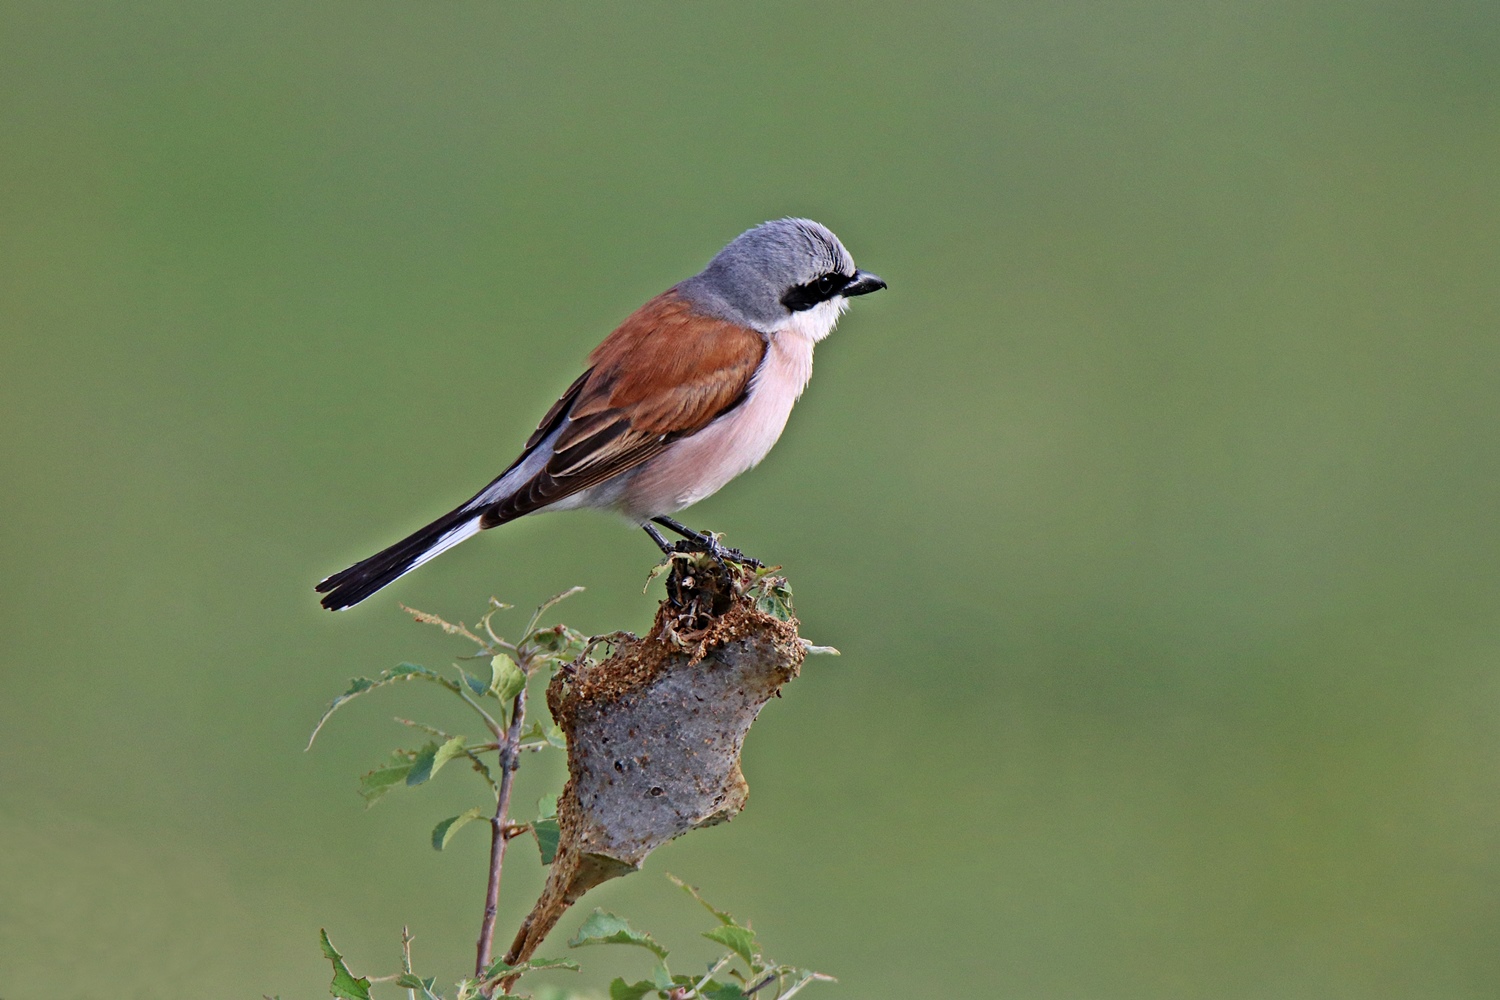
pixel 863 283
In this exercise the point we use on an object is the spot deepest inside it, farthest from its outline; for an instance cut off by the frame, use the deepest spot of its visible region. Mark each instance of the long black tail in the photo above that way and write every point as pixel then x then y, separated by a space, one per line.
pixel 347 588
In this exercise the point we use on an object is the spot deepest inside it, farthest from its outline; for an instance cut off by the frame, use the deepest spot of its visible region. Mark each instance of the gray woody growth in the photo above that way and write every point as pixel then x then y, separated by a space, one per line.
pixel 654 735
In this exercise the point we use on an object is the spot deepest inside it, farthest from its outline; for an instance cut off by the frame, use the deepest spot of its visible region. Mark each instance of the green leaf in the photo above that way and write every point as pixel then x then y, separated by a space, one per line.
pixel 385 777
pixel 537 736
pixel 451 750
pixel 662 977
pixel 552 640
pixel 722 991
pixel 603 927
pixel 547 836
pixel 506 679
pixel 740 940
pixel 406 671
pixel 422 764
pixel 774 597
pixel 344 985
pixel 412 982
pixel 546 807
pixel 444 831
pixel 479 766
pixel 431 758
pixel 498 969
pixel 474 684
pixel 619 989
pixel 359 685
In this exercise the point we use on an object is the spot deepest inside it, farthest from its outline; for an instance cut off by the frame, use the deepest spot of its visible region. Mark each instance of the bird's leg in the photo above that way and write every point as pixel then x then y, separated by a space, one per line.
pixel 659 539
pixel 681 529
pixel 706 541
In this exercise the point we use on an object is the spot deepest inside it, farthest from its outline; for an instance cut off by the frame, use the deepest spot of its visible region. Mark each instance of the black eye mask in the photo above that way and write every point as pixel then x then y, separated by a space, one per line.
pixel 819 289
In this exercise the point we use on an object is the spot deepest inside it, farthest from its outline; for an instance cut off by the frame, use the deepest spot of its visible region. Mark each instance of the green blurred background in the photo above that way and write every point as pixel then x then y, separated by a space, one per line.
pixel 1154 507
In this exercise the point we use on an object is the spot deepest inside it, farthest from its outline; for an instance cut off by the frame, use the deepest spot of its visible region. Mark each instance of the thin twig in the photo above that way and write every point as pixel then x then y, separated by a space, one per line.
pixel 536 616
pixel 810 977
pixel 498 642
pixel 509 748
pixel 772 977
pixel 489 720
pixel 428 618
pixel 406 958
pixel 698 989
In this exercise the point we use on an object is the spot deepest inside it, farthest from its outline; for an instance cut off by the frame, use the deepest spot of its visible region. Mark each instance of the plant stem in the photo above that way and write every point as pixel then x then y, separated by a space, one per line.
pixel 406 958
pixel 697 990
pixel 509 750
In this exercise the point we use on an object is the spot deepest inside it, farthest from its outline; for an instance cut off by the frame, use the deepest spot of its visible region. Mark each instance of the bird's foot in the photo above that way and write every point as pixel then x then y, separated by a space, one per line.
pixel 710 545
pixel 703 574
pixel 700 541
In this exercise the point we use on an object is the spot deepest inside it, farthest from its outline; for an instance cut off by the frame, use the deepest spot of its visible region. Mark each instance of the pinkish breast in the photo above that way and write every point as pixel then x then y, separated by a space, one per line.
pixel 699 466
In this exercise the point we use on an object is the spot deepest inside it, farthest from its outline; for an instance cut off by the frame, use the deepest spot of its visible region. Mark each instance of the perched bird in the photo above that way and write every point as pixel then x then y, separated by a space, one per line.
pixel 689 392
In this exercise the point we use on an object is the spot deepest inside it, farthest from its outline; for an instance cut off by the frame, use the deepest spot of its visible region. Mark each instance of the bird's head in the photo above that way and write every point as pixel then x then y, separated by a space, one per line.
pixel 784 274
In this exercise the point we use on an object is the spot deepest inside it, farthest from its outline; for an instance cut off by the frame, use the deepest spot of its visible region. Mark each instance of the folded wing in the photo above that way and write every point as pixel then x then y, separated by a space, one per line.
pixel 665 373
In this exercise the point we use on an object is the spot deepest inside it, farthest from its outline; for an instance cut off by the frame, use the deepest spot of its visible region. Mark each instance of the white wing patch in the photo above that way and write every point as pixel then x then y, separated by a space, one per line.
pixel 446 541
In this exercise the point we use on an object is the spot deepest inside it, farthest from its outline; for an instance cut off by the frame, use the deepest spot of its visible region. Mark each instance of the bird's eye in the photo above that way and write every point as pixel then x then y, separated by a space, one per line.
pixel 817 290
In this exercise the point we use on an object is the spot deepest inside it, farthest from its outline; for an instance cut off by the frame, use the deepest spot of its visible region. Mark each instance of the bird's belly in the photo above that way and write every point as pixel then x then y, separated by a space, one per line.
pixel 699 466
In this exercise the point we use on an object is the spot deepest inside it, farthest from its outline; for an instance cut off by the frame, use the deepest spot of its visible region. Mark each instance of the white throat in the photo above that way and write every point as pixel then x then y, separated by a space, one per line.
pixel 817 322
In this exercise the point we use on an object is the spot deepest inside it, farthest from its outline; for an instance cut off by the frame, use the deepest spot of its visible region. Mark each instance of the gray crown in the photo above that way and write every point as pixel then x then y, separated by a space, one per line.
pixel 745 281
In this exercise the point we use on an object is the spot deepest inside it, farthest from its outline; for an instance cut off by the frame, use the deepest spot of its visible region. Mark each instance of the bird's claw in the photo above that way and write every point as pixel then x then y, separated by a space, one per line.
pixel 711 595
pixel 708 543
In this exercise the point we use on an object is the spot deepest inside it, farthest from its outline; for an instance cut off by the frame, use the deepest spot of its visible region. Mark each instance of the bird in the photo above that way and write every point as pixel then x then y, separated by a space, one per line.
pixel 691 390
